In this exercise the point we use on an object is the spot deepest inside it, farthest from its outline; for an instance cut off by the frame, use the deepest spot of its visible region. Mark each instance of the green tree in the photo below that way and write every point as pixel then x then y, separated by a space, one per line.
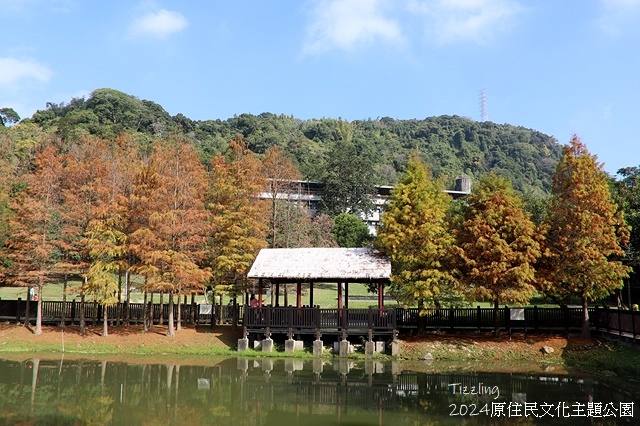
pixel 496 246
pixel 584 231
pixel 8 116
pixel 350 231
pixel 414 235
pixel 348 181
pixel 627 196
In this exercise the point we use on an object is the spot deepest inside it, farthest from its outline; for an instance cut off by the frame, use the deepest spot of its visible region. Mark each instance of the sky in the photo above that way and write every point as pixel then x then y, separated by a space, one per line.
pixel 559 67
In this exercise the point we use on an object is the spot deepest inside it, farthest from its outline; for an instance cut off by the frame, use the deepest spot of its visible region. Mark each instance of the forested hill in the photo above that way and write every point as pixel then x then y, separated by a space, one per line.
pixel 450 144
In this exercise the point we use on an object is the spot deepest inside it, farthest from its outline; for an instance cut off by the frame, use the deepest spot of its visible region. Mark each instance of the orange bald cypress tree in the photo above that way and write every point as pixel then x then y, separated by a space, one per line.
pixel 239 220
pixel 583 233
pixel 497 246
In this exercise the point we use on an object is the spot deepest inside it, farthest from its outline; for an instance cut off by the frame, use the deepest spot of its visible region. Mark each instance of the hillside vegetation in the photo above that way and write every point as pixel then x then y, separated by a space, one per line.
pixel 452 145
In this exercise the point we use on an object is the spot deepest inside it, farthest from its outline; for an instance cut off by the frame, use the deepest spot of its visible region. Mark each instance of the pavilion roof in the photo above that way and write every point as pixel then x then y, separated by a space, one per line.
pixel 321 264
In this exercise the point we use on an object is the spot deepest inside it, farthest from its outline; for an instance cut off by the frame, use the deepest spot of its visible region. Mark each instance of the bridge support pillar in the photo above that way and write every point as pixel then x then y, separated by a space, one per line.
pixel 267 345
pixel 318 347
pixel 243 344
pixel 395 347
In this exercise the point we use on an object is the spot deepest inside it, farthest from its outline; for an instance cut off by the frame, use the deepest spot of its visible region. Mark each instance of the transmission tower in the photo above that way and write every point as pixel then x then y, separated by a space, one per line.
pixel 484 112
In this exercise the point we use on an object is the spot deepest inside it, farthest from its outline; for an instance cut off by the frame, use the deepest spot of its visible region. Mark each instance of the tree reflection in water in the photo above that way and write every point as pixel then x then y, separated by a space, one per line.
pixel 244 391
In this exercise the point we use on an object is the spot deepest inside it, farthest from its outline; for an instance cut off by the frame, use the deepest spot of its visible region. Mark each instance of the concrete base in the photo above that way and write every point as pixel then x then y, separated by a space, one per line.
pixel 369 348
pixel 243 344
pixel 267 345
pixel 379 349
pixel 337 346
pixel 395 348
pixel 344 347
pixel 289 346
pixel 318 347
pixel 257 344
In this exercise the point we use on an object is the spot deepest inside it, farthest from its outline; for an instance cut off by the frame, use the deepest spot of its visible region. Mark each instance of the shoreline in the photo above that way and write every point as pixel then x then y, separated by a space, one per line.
pixel 468 351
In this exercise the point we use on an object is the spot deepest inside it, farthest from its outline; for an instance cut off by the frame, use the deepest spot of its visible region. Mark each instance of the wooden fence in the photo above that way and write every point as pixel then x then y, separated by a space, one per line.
pixel 132 313
pixel 612 321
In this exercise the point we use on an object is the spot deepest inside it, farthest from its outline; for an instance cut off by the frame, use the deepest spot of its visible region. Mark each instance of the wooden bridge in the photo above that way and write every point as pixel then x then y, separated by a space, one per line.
pixel 615 323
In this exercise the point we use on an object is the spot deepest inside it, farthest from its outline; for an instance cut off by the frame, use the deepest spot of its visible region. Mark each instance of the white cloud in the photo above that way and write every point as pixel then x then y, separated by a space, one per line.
pixel 620 3
pixel 618 16
pixel 346 24
pixel 158 24
pixel 449 21
pixel 15 71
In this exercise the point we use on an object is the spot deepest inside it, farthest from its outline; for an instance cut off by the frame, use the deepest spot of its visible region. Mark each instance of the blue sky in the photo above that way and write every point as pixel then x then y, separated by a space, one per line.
pixel 555 66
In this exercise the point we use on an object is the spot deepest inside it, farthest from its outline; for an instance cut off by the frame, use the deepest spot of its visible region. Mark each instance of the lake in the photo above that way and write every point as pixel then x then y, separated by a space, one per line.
pixel 241 391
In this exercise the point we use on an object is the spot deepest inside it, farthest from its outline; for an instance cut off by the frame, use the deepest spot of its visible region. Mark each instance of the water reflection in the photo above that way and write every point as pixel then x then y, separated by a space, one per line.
pixel 288 391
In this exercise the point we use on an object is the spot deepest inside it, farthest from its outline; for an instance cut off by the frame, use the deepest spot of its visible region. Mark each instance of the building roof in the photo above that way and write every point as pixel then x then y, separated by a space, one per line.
pixel 321 264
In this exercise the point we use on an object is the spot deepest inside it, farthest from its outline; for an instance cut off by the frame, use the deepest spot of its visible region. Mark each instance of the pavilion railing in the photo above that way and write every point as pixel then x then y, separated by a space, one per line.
pixel 319 319
pixel 613 321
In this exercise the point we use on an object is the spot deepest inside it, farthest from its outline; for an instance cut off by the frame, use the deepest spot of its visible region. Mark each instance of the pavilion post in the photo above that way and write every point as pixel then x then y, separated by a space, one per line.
pixel 260 292
pixel 299 295
pixel 311 294
pixel 277 294
pixel 346 295
pixel 380 297
pixel 340 297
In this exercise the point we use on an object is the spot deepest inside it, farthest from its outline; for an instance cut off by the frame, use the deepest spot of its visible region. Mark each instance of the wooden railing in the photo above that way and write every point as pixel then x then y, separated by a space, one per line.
pixel 311 319
pixel 133 313
pixel 613 321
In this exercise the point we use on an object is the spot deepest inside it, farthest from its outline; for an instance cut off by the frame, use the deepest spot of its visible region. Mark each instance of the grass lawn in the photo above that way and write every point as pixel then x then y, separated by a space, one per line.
pixel 324 294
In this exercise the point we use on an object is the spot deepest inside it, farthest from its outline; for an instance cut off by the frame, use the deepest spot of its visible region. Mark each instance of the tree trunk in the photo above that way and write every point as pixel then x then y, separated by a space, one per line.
pixel 83 321
pixel 496 319
pixel 161 319
pixel 179 322
pixel 171 331
pixel 145 313
pixel 127 292
pixel 586 333
pixel 39 312
pixel 105 316
pixel 27 312
pixel 118 311
pixel 95 312
pixel 64 302
pixel 192 317
pixel 151 313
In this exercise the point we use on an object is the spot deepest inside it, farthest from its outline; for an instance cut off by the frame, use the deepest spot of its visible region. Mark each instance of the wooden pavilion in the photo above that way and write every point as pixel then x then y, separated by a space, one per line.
pixel 291 267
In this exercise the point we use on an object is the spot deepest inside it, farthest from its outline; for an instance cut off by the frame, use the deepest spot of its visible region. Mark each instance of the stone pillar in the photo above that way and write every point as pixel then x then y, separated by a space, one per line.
pixel 318 347
pixel 395 348
pixel 267 345
pixel 369 348
pixel 343 348
pixel 289 346
pixel 243 344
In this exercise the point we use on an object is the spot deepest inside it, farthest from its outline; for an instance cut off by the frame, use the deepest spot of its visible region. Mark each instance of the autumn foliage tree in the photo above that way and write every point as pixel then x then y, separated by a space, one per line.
pixel 36 226
pixel 239 220
pixel 415 236
pixel 496 246
pixel 584 231
pixel 171 245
